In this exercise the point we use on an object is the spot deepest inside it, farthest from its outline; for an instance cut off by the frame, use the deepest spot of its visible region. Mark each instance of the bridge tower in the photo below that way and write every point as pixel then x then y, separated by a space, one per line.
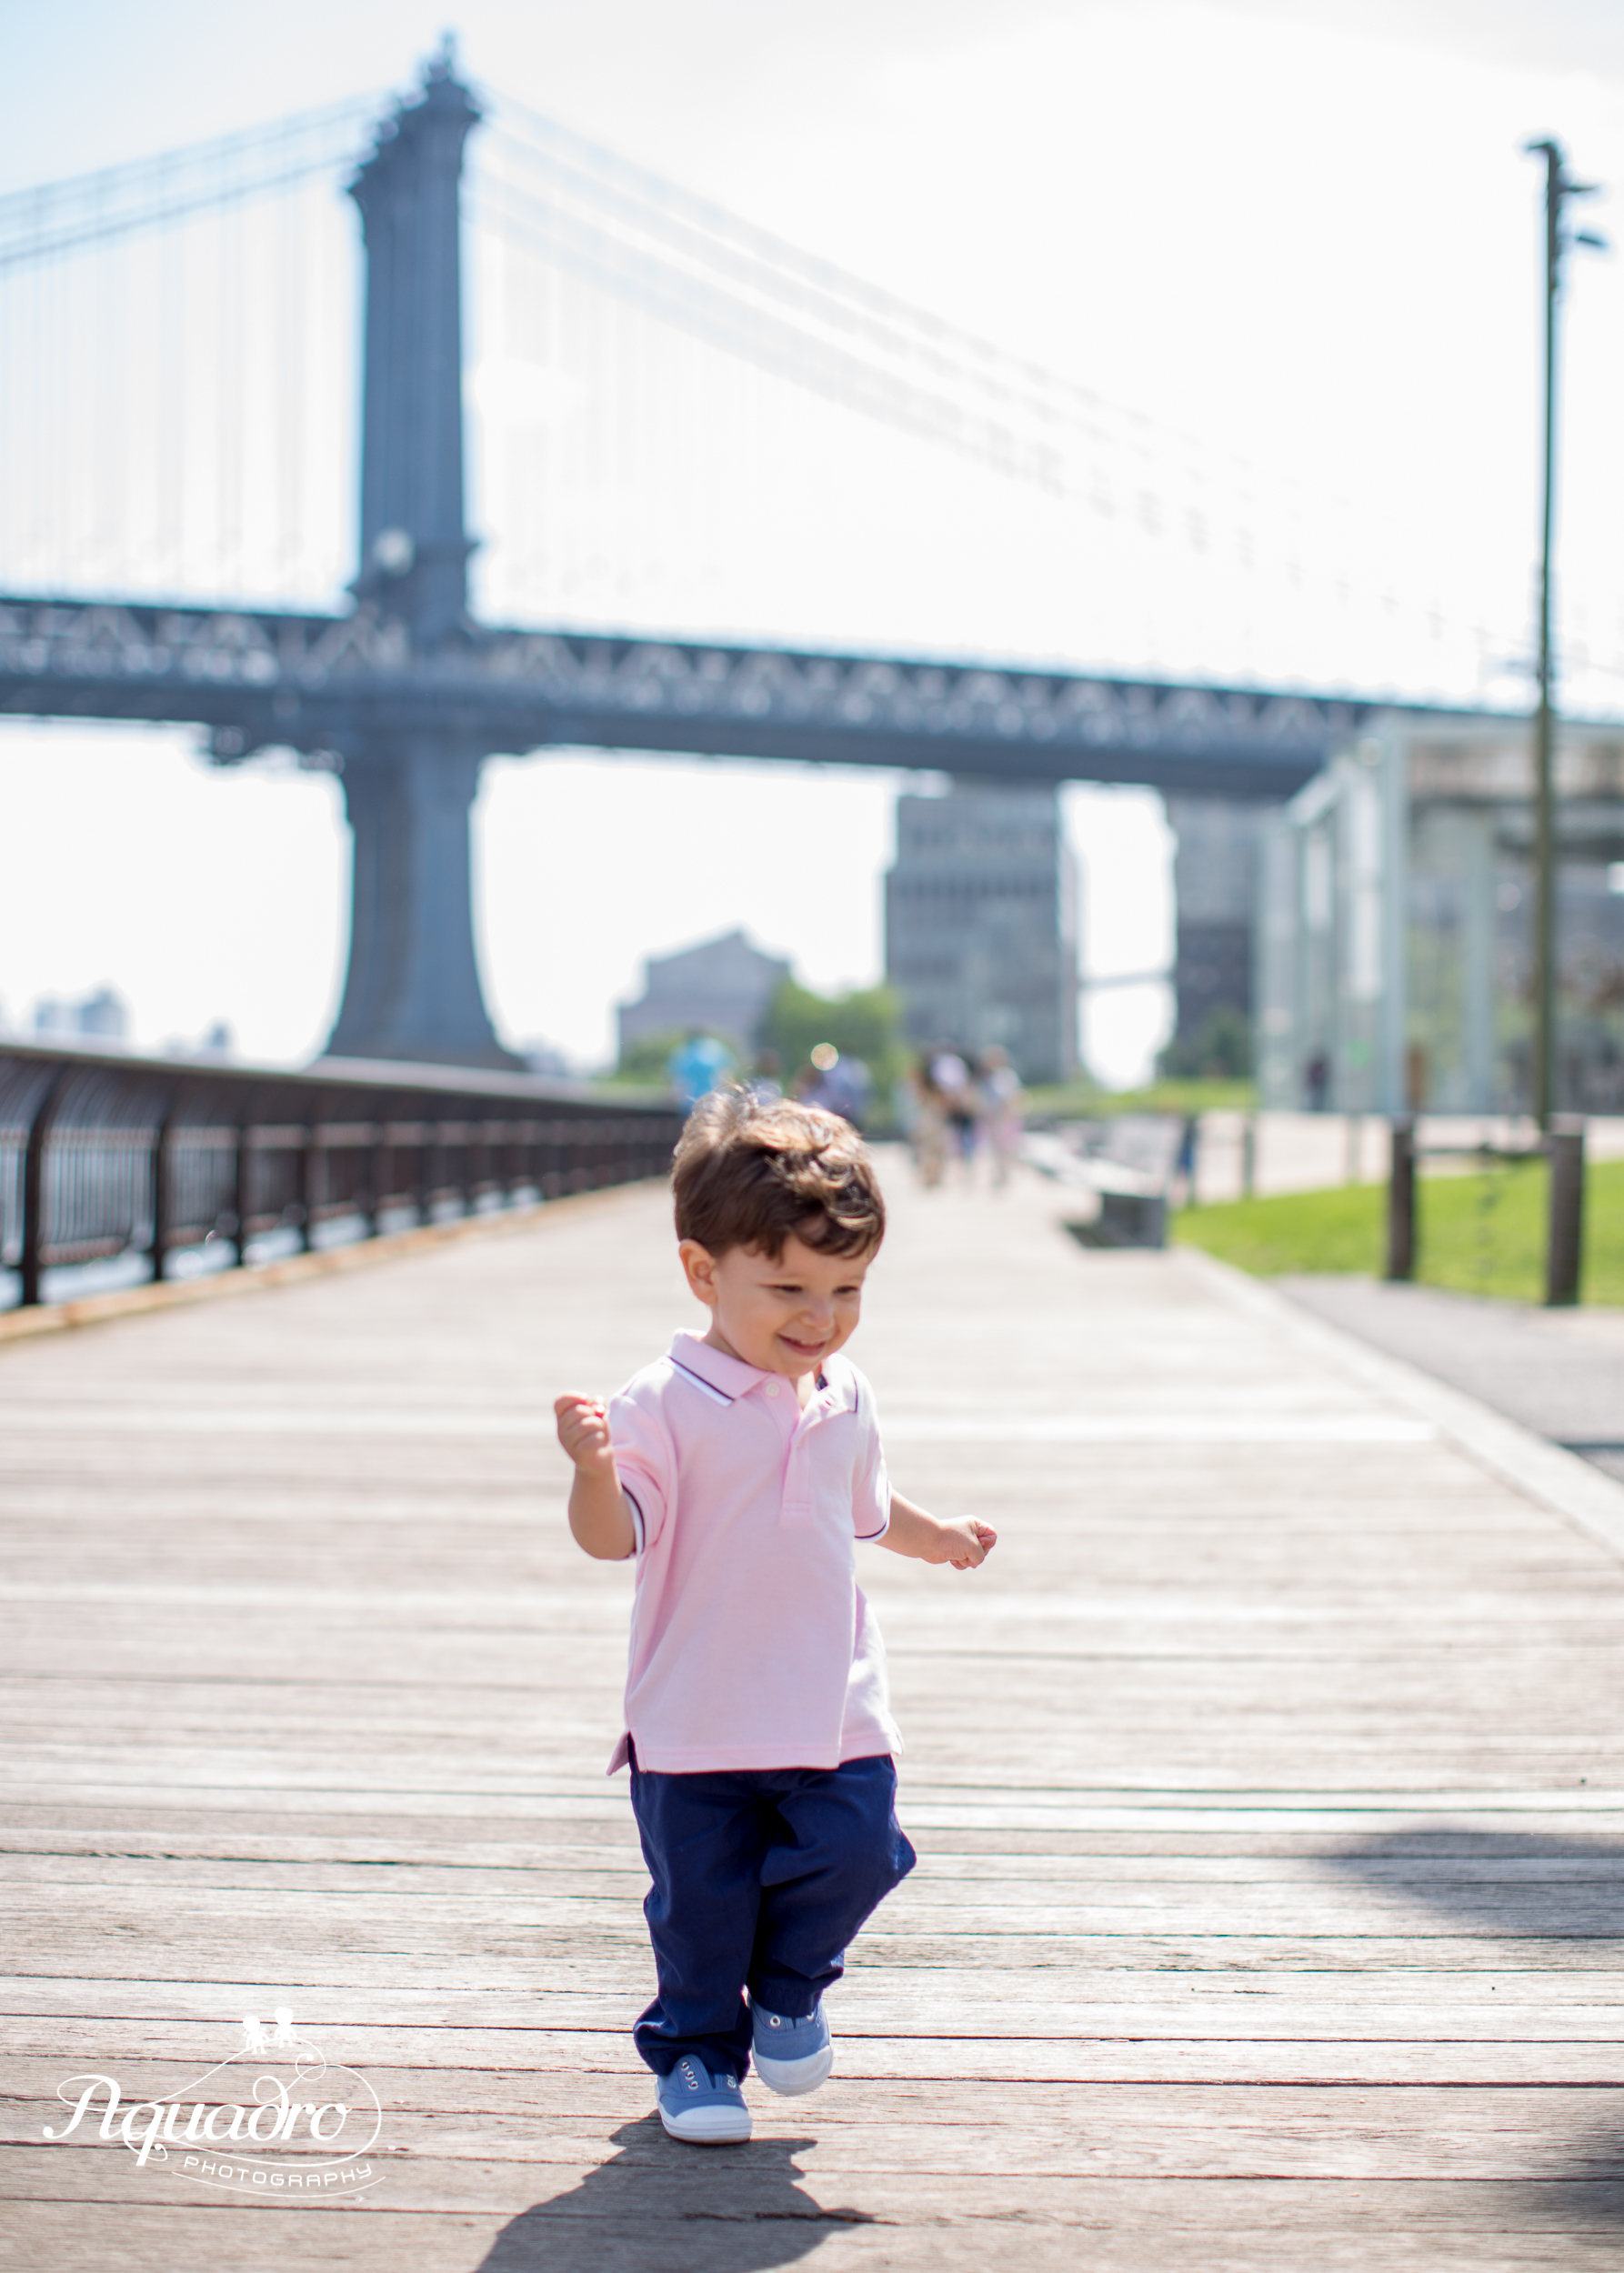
pixel 413 988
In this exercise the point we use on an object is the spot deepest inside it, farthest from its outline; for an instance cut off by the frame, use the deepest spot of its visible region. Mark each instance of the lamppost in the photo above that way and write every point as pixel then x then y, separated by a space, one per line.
pixel 1559 186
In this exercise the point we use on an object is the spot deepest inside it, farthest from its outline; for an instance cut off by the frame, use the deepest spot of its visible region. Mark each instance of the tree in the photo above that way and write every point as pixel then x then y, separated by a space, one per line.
pixel 865 1024
pixel 647 1058
pixel 1221 1051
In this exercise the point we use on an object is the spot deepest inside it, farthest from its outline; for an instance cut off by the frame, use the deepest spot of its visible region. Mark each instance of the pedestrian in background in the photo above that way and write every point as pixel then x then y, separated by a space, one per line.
pixel 927 1124
pixel 951 1075
pixel 764 1084
pixel 833 1083
pixel 698 1065
pixel 1002 1098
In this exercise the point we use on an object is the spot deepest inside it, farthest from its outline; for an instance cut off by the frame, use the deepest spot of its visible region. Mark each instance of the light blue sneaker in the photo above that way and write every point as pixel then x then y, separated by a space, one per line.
pixel 704 2110
pixel 791 2056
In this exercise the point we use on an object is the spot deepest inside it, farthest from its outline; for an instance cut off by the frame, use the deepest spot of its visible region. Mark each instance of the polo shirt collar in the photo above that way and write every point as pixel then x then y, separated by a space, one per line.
pixel 730 1378
pixel 839 1394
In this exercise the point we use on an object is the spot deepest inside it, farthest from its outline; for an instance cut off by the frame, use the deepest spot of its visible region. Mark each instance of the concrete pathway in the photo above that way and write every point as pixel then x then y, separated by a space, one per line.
pixel 1268 1785
pixel 1560 1373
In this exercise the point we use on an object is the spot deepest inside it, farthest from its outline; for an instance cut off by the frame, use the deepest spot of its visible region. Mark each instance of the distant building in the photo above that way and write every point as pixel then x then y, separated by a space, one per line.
pixel 102 1016
pixel 722 986
pixel 1215 882
pixel 981 925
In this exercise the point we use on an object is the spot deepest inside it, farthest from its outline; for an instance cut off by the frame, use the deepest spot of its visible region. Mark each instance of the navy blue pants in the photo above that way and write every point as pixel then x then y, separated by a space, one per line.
pixel 761 1877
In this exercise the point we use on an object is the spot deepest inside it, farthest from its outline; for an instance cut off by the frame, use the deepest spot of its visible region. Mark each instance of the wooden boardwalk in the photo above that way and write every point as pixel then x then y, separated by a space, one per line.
pixel 1267 1788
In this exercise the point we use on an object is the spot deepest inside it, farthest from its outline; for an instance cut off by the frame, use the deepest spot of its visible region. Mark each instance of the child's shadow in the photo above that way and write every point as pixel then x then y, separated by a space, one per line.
pixel 660 2205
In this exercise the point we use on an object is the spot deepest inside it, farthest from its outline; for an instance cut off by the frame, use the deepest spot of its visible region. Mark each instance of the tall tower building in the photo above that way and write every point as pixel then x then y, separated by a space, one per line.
pixel 981 924
pixel 1215 879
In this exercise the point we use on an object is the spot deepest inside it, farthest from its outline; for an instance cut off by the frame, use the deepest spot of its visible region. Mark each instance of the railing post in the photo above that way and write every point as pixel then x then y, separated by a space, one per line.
pixel 239 1193
pixel 1249 1157
pixel 482 1167
pixel 162 1212
pixel 1564 1251
pixel 308 1157
pixel 1401 1201
pixel 34 1187
pixel 424 1188
pixel 379 1178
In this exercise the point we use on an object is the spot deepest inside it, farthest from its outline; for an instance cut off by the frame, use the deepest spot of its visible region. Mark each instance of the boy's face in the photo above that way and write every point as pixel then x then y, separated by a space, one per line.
pixel 783 1315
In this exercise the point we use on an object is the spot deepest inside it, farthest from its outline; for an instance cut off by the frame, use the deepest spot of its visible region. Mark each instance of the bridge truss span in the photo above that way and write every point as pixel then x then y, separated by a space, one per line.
pixel 320 684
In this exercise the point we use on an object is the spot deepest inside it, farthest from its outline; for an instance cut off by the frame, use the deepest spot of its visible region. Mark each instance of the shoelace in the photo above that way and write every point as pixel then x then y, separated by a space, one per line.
pixel 689 2075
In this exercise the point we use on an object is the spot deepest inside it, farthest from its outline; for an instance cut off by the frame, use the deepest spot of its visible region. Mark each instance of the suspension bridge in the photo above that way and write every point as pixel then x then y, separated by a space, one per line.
pixel 154 455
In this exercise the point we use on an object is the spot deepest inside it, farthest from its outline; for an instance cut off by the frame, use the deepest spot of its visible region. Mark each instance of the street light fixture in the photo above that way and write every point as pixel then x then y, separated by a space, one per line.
pixel 1559 186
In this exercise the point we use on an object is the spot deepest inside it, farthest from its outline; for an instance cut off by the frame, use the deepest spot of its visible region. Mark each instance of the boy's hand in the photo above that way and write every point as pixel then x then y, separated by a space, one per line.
pixel 931 1540
pixel 584 1432
pixel 968 1543
pixel 599 1515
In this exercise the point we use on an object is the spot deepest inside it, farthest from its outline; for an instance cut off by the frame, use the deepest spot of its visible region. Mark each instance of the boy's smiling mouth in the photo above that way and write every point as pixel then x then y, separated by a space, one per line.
pixel 785 1314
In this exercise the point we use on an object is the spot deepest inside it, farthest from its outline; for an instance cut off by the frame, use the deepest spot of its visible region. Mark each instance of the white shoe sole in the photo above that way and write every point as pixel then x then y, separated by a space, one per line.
pixel 791 2077
pixel 708 2126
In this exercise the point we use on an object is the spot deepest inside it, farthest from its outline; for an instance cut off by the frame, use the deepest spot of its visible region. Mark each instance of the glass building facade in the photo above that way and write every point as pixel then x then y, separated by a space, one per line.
pixel 1393 939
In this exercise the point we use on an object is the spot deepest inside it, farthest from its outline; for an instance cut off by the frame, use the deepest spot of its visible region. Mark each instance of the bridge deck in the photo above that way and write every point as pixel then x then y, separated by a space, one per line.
pixel 1266 1784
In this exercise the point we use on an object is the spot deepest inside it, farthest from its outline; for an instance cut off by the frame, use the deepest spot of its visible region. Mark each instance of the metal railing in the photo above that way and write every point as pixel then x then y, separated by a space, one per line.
pixel 105 1154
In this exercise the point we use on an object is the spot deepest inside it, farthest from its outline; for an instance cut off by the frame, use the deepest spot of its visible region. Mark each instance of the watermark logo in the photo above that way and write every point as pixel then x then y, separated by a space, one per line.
pixel 295 2126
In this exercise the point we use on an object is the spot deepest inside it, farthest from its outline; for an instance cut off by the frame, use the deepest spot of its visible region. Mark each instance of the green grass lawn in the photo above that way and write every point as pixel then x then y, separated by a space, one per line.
pixel 1481 1235
pixel 1084 1100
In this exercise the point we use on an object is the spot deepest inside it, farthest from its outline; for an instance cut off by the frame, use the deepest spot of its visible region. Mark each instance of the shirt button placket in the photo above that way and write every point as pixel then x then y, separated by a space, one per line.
pixel 798 1477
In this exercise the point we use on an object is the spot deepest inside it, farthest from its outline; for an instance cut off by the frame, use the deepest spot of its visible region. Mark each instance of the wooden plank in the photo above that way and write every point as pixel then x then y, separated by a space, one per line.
pixel 1117 2229
pixel 1269 1788
pixel 145 2053
pixel 551 2128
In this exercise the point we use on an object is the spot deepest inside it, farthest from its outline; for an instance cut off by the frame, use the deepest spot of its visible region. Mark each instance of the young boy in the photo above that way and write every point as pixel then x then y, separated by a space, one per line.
pixel 740 1470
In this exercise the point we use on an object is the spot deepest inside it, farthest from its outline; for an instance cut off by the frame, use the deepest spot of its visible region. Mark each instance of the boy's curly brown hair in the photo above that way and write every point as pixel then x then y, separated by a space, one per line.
pixel 750 1172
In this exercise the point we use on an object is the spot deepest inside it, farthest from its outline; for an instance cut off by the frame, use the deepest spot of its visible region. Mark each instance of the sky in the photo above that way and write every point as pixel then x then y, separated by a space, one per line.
pixel 1295 236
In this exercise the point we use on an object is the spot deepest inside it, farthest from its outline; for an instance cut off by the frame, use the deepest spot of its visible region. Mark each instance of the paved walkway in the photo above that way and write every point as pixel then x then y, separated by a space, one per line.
pixel 1309 1152
pixel 1559 1372
pixel 1267 1784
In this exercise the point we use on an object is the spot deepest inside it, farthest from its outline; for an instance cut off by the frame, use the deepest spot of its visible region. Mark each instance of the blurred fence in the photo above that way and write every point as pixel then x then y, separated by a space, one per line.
pixel 107 1155
pixel 1561 1147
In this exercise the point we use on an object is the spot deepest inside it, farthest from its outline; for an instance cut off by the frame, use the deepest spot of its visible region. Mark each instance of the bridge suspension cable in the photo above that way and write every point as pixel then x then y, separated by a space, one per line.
pixel 176 347
pixel 58 218
pixel 697 264
pixel 656 248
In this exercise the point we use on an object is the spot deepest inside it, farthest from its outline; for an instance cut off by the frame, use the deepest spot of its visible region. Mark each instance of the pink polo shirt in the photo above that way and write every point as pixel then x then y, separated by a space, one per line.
pixel 751 1644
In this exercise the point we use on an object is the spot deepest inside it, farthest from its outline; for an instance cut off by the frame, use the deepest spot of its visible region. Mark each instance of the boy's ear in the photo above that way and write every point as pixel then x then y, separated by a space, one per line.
pixel 699 1267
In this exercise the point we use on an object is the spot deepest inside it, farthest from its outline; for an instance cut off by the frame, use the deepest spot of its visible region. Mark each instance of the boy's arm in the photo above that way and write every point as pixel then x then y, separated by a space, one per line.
pixel 599 1515
pixel 928 1539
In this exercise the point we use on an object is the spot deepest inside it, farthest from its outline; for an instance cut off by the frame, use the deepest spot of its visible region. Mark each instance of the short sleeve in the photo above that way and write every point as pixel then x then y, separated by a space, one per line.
pixel 644 1461
pixel 871 1486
